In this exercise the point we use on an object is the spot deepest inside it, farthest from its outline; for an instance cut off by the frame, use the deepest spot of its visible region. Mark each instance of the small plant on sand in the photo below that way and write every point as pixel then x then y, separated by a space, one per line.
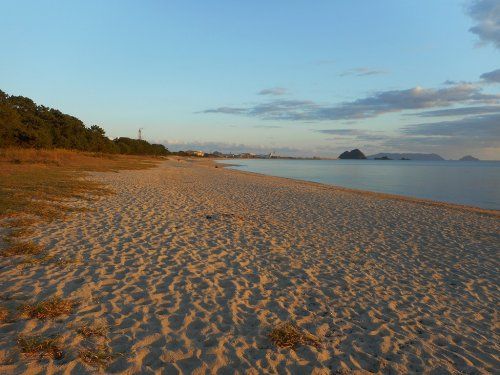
pixel 88 330
pixel 99 356
pixel 4 315
pixel 66 262
pixel 22 248
pixel 42 347
pixel 19 222
pixel 46 259
pixel 19 232
pixel 48 309
pixel 31 260
pixel 288 335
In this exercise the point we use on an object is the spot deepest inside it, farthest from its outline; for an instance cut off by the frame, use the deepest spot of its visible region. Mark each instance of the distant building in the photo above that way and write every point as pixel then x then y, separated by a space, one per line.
pixel 195 153
pixel 247 155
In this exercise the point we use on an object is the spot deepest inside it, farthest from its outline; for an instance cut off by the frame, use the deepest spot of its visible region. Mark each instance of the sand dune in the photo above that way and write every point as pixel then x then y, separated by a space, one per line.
pixel 191 266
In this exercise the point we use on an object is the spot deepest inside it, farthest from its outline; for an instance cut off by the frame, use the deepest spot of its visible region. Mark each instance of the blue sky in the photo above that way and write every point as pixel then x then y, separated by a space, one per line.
pixel 298 77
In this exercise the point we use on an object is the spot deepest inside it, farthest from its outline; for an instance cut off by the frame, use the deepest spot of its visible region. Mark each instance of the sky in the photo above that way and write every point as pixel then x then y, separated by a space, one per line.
pixel 298 77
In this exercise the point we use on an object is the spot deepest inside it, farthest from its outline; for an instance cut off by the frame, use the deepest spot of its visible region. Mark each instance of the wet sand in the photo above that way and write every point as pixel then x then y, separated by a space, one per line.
pixel 191 266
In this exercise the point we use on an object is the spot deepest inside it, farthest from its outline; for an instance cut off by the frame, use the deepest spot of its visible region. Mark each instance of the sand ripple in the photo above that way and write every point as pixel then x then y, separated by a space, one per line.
pixel 388 286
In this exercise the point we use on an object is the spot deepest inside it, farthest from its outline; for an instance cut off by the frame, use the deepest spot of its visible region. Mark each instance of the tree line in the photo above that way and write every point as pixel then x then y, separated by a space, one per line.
pixel 25 124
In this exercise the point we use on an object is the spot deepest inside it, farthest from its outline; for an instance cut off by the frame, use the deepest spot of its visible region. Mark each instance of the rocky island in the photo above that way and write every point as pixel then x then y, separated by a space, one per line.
pixel 353 154
pixel 468 158
pixel 407 156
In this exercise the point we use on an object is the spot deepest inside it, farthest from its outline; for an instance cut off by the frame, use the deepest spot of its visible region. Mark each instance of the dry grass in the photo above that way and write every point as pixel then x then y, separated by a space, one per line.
pixel 33 260
pixel 22 248
pixel 38 183
pixel 98 356
pixel 40 346
pixel 46 259
pixel 32 180
pixel 19 222
pixel 76 160
pixel 48 309
pixel 88 330
pixel 288 335
pixel 19 232
pixel 22 155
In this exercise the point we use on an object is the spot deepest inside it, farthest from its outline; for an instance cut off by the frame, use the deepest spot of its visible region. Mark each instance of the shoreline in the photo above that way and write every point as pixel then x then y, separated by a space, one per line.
pixel 189 268
pixel 429 202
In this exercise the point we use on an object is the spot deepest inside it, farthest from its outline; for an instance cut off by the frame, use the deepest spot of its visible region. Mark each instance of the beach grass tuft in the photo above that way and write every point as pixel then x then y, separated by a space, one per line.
pixel 20 222
pixel 289 335
pixel 88 330
pixel 32 260
pixel 4 315
pixel 22 248
pixel 40 346
pixel 48 309
pixel 19 232
pixel 98 356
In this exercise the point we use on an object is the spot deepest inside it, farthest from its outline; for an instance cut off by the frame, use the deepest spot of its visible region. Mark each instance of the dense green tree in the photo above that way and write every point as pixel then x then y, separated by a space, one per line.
pixel 23 123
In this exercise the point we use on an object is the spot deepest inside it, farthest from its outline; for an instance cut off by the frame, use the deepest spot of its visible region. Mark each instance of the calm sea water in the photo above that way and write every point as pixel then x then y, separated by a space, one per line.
pixel 470 183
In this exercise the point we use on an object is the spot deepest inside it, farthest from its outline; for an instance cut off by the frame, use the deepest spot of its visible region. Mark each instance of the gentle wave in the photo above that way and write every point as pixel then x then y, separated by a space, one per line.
pixel 467 183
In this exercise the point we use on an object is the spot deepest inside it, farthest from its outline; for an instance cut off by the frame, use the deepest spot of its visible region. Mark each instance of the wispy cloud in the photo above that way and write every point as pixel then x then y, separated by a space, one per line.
pixel 486 14
pixel 325 62
pixel 371 106
pixel 274 91
pixel 274 110
pixel 463 111
pixel 450 82
pixel 362 72
pixel 491 77
pixel 358 134
pixel 227 110
pixel 343 132
pixel 267 126
pixel 484 128
pixel 409 99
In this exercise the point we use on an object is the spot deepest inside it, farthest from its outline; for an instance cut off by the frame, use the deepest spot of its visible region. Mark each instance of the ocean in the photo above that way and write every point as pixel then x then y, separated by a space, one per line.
pixel 468 183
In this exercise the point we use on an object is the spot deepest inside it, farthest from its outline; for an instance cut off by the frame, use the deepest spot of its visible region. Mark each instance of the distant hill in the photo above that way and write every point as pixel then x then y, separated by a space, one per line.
pixel 411 156
pixel 468 158
pixel 353 154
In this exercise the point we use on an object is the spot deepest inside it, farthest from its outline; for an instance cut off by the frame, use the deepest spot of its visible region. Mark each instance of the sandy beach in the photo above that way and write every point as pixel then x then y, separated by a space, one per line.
pixel 189 267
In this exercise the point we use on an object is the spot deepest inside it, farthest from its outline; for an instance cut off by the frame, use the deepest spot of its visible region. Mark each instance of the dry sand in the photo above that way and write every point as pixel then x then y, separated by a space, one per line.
pixel 387 285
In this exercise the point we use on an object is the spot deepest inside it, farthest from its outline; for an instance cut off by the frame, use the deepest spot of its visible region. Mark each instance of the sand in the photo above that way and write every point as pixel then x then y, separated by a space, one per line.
pixel 387 285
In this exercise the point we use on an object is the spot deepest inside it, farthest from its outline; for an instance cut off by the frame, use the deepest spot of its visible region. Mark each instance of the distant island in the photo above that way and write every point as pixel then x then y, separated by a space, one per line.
pixel 353 154
pixel 405 156
pixel 468 158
